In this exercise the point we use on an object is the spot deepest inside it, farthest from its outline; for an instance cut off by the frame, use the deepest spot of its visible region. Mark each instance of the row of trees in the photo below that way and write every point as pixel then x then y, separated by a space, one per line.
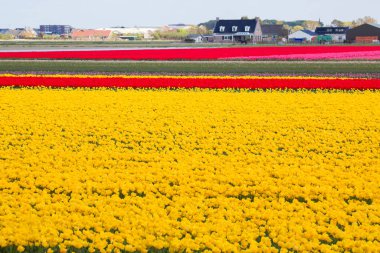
pixel 180 34
pixel 354 23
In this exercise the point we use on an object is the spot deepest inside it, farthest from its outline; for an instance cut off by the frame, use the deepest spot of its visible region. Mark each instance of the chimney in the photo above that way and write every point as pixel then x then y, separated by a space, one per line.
pixel 217 18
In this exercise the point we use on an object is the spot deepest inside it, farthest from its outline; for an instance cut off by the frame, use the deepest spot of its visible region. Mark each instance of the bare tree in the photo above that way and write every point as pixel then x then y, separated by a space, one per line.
pixel 365 20
pixel 337 23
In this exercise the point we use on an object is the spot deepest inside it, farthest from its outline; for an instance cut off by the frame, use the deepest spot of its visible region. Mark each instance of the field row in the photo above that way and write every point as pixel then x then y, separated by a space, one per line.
pixel 193 81
pixel 102 170
pixel 242 67
pixel 230 53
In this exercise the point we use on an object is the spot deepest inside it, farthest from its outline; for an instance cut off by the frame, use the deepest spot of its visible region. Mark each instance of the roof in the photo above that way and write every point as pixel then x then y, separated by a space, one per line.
pixel 311 33
pixel 331 30
pixel 273 30
pixel 239 24
pixel 376 25
pixel 91 33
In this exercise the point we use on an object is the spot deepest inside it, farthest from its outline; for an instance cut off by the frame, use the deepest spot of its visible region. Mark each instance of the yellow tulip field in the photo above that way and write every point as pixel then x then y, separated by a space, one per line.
pixel 173 170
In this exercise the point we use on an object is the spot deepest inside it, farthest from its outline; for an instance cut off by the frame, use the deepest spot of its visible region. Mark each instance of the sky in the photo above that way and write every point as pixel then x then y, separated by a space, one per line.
pixel 129 13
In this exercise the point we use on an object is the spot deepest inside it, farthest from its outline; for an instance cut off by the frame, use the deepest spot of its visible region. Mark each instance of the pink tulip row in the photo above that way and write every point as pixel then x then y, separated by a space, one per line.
pixel 365 55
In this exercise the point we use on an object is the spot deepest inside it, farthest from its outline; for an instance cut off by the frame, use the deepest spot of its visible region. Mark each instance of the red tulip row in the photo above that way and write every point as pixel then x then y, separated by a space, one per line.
pixel 191 53
pixel 222 82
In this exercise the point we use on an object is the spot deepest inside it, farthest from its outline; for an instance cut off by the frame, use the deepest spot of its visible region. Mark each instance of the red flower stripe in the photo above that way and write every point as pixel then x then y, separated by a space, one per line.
pixel 188 53
pixel 162 82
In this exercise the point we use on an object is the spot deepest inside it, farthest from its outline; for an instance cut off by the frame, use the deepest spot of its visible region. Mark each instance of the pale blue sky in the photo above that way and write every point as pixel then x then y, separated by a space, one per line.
pixel 105 13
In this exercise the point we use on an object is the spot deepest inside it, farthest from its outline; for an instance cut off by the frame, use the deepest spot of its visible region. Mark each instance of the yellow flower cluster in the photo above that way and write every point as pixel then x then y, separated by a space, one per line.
pixel 197 170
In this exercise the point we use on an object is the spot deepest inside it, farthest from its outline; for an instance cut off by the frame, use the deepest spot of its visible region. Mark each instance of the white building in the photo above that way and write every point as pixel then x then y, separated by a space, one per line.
pixel 302 35
pixel 337 34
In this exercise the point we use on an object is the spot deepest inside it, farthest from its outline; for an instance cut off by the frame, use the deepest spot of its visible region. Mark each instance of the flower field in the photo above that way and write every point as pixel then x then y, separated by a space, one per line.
pixel 214 158
pixel 248 53
pixel 193 81
pixel 125 170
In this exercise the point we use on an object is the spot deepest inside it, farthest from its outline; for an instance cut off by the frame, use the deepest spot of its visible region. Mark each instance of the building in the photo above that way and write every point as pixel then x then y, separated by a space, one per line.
pixel 90 34
pixel 366 33
pixel 302 36
pixel 274 33
pixel 194 38
pixel 237 31
pixel 55 29
pixel 335 34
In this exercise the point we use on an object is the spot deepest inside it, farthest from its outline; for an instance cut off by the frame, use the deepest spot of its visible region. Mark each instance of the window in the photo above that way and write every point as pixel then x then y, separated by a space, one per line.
pixel 227 37
pixel 247 28
pixel 234 28
pixel 222 28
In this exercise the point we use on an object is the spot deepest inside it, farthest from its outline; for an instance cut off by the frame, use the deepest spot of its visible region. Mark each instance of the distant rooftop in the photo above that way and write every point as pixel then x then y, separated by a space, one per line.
pixel 311 33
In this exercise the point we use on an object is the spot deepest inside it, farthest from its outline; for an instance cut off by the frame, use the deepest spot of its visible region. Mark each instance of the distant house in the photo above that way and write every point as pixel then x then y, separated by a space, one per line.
pixel 274 33
pixel 335 34
pixel 194 38
pixel 56 29
pixel 367 33
pixel 302 36
pixel 237 31
pixel 89 34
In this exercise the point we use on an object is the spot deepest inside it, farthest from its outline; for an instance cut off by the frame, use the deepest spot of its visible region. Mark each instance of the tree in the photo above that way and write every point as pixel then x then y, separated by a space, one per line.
pixel 310 25
pixel 28 33
pixel 6 37
pixel 337 23
pixel 297 28
pixel 365 20
pixel 198 30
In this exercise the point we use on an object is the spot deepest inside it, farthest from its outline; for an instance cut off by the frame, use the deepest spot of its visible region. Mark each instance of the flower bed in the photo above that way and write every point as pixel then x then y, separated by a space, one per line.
pixel 365 55
pixel 352 52
pixel 165 81
pixel 103 170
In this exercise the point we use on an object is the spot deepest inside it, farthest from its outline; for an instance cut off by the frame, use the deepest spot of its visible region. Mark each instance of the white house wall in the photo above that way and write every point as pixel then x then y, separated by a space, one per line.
pixel 300 35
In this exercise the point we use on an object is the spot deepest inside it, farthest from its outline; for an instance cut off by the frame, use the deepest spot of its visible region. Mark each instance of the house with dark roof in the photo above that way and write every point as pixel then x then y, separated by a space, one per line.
pixel 302 36
pixel 237 31
pixel 366 33
pixel 274 33
pixel 337 34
